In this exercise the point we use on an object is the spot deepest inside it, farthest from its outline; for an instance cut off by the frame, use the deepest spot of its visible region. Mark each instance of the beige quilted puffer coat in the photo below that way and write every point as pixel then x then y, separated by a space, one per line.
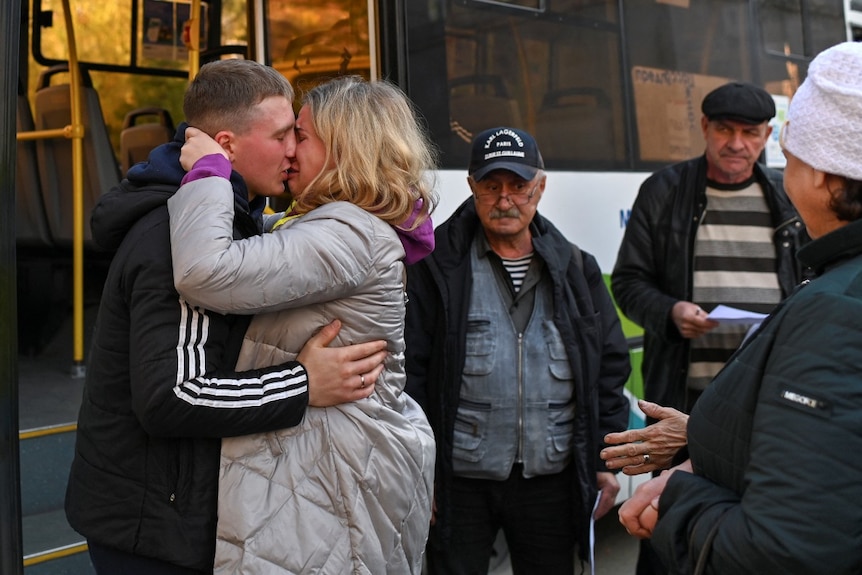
pixel 349 490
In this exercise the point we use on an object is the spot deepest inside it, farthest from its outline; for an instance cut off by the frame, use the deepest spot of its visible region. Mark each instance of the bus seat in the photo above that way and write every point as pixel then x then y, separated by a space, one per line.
pixel 31 221
pixel 575 126
pixel 477 103
pixel 137 140
pixel 101 172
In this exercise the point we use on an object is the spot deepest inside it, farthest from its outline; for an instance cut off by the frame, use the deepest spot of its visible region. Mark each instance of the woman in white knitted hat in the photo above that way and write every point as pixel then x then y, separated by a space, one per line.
pixel 774 478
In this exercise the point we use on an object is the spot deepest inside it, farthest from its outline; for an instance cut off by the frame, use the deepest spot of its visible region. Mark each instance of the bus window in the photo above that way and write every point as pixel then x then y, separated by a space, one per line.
pixel 146 66
pixel 793 32
pixel 800 27
pixel 92 20
pixel 309 41
pixel 557 72
pixel 680 50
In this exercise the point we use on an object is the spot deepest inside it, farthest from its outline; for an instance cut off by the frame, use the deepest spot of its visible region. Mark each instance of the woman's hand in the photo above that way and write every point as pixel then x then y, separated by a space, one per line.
pixel 649 449
pixel 198 144
pixel 639 514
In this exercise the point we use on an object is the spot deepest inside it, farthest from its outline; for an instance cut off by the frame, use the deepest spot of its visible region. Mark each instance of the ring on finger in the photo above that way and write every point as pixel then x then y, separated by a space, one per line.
pixel 646 458
pixel 361 381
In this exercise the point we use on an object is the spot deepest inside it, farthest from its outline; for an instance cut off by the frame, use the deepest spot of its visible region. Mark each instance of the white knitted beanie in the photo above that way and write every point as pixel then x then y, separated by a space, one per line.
pixel 824 127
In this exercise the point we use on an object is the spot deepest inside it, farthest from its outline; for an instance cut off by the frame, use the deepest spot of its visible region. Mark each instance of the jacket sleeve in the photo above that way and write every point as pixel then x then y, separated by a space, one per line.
pixel 315 259
pixel 615 365
pixel 180 359
pixel 799 509
pixel 635 280
pixel 423 317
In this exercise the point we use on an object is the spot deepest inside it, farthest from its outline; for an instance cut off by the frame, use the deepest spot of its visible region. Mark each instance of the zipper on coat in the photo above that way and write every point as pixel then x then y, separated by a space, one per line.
pixel 520 456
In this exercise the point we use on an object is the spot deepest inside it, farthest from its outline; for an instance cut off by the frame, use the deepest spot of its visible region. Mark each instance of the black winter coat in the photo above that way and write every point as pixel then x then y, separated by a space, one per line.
pixel 439 292
pixel 775 439
pixel 654 266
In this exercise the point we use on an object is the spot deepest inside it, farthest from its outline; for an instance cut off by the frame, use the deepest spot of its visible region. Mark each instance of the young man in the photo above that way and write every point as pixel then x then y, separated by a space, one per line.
pixel 161 391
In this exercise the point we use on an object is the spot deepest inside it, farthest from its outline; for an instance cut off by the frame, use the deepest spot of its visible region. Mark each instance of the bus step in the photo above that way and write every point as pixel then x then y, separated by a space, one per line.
pixel 52 547
pixel 46 457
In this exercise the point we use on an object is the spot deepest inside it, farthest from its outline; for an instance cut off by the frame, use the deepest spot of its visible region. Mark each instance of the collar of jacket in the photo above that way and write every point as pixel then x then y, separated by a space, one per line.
pixel 771 182
pixel 843 243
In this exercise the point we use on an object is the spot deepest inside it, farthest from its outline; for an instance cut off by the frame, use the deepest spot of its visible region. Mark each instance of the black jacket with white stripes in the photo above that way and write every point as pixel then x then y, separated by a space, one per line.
pixel 160 389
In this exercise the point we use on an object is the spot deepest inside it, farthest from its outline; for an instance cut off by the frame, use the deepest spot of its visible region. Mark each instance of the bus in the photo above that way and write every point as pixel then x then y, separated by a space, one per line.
pixel 611 90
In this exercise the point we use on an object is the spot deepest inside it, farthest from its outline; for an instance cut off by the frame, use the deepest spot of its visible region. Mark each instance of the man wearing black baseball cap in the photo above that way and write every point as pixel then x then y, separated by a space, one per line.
pixel 515 351
pixel 717 229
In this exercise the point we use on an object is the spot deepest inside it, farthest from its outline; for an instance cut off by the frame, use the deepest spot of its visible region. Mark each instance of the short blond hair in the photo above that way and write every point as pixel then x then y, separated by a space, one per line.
pixel 224 94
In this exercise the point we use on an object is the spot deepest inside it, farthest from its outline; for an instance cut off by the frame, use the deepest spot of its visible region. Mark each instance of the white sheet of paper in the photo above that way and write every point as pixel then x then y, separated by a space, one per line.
pixel 593 534
pixel 735 316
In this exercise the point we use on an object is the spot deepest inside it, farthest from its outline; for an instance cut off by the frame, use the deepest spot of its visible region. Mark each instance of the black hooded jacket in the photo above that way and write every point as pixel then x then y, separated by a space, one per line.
pixel 160 389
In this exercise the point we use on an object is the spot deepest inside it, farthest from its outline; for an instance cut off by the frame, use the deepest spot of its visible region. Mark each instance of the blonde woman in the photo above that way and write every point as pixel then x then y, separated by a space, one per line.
pixel 350 488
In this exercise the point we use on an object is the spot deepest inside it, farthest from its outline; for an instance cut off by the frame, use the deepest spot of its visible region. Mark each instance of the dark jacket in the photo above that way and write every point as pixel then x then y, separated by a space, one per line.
pixel 775 439
pixel 439 295
pixel 160 389
pixel 654 265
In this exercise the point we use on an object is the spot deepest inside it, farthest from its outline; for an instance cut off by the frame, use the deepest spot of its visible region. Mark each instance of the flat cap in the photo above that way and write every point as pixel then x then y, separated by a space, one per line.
pixel 739 101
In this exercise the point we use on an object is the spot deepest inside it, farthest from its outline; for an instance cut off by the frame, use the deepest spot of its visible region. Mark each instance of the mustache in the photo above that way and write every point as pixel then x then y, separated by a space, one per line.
pixel 497 214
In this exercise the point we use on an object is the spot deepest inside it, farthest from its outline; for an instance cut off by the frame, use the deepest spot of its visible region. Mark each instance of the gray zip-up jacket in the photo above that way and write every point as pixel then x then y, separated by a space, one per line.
pixel 350 488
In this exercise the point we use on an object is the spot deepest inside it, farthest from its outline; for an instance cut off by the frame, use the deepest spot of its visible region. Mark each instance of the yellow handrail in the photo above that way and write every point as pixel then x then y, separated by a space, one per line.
pixel 74 132
pixel 46 134
pixel 194 39
pixel 77 136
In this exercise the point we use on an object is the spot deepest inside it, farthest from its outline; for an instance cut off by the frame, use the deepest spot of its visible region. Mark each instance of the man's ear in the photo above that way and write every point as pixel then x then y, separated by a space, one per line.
pixel 226 140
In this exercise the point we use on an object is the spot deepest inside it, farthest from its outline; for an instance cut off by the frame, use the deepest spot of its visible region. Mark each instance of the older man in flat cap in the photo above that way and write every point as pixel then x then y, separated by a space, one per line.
pixel 716 229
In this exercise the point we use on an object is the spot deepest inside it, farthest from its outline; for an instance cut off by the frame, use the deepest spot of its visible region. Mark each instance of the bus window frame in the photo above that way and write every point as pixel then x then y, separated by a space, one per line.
pixel 540 8
pixel 45 19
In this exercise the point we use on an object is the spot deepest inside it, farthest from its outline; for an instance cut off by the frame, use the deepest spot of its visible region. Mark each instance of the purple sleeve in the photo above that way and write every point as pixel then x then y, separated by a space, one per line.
pixel 211 165
pixel 418 242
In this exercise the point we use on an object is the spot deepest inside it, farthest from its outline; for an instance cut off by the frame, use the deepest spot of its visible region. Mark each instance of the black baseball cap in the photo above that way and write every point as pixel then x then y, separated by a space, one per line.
pixel 505 149
pixel 739 101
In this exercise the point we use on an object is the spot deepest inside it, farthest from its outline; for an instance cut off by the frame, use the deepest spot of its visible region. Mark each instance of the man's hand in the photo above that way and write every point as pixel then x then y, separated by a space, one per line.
pixel 609 486
pixel 639 513
pixel 659 441
pixel 198 144
pixel 340 374
pixel 690 320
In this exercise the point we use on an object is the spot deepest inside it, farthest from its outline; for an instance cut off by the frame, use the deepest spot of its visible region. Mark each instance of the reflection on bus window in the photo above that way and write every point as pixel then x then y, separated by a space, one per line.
pixel 595 98
pixel 309 41
pixel 554 72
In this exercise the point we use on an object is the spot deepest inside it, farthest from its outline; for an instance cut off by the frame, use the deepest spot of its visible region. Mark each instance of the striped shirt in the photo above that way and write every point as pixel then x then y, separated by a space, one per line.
pixel 517 269
pixel 735 265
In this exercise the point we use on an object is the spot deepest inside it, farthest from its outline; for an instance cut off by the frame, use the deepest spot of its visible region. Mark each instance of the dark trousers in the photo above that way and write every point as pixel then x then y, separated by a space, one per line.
pixel 648 561
pixel 536 516
pixel 110 561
